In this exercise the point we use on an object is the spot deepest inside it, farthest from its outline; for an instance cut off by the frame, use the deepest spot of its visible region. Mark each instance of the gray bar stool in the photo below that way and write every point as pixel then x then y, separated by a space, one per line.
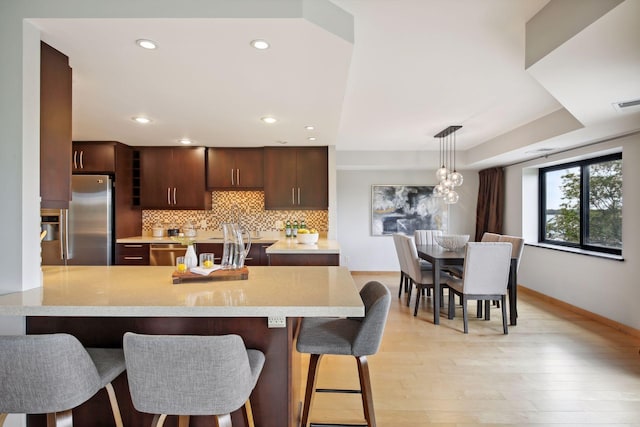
pixel 53 374
pixel 191 375
pixel 358 337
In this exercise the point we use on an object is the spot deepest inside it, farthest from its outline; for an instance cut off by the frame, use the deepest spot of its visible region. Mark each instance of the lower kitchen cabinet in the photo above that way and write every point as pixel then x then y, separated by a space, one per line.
pixel 132 254
pixel 257 253
pixel 304 260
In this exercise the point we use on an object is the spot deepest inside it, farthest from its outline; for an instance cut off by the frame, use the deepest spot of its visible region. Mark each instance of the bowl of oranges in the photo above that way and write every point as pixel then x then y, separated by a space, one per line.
pixel 308 236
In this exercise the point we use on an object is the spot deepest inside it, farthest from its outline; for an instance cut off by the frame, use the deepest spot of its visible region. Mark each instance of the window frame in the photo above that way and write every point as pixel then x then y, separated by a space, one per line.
pixel 583 202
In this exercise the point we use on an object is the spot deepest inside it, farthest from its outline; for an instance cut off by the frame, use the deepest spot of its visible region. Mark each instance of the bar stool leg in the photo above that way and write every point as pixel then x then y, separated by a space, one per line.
pixel 223 420
pixel 158 420
pixel 247 414
pixel 183 420
pixel 314 363
pixel 114 405
pixel 60 419
pixel 365 387
pixel 2 418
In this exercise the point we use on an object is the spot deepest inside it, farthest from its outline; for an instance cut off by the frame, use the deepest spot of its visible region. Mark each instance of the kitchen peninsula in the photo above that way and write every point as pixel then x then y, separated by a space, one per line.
pixel 99 304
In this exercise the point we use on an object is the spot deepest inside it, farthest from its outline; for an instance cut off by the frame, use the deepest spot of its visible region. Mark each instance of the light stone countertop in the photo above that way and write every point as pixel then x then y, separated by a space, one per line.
pixel 279 244
pixel 143 291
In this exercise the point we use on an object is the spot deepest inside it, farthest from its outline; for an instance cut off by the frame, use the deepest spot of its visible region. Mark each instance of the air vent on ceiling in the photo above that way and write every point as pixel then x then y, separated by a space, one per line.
pixel 627 106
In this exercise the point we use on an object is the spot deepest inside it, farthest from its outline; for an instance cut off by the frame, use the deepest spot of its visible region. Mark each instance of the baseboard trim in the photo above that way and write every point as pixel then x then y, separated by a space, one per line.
pixel 588 314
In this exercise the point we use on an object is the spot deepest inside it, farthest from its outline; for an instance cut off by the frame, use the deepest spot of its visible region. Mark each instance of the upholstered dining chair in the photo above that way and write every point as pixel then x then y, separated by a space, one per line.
pixel 485 277
pixel 490 237
pixel 456 271
pixel 54 373
pixel 404 277
pixel 357 337
pixel 191 375
pixel 426 237
pixel 421 278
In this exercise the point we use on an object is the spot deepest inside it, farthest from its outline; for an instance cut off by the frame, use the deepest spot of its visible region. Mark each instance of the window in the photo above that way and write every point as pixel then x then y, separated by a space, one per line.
pixel 581 204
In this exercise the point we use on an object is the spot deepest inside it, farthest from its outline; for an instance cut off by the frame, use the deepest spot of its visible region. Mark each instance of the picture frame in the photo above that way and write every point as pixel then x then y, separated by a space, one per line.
pixel 406 208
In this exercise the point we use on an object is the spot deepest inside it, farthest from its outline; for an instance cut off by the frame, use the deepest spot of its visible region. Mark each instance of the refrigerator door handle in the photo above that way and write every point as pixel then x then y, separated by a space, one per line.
pixel 65 235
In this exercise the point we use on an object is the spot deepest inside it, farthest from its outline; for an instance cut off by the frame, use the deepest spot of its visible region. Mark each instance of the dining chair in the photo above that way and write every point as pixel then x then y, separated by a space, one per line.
pixel 54 373
pixel 404 277
pixel 485 278
pixel 421 278
pixel 426 237
pixel 188 375
pixel 456 271
pixel 357 337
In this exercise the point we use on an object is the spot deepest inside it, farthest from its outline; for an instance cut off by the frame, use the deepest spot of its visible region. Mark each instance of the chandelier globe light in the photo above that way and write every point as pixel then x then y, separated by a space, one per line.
pixel 447 176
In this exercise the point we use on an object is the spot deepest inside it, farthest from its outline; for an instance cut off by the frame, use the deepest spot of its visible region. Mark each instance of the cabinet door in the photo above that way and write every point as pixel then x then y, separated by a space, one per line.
pixel 93 157
pixel 311 178
pixel 220 168
pixel 249 164
pixel 213 248
pixel 280 190
pixel 156 189
pixel 55 128
pixel 187 168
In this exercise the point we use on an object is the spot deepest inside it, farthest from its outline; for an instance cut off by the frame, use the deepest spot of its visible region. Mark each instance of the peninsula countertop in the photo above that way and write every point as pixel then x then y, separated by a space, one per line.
pixel 140 291
pixel 279 244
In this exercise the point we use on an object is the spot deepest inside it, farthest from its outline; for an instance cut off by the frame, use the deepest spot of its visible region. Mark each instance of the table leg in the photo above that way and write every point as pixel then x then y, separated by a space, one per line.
pixel 513 293
pixel 436 292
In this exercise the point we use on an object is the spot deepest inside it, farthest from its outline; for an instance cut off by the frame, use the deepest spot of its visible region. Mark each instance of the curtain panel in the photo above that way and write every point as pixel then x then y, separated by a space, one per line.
pixel 490 210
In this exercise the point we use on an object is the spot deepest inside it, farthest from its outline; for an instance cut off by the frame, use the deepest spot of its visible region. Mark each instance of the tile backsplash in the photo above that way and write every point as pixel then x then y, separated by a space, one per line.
pixel 244 207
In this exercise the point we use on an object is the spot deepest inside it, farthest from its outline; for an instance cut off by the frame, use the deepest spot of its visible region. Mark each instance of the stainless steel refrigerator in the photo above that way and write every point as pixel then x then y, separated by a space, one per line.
pixel 83 234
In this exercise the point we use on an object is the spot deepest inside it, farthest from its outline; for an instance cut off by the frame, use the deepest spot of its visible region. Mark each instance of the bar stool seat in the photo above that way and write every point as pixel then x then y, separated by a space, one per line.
pixel 358 337
pixel 54 373
pixel 191 375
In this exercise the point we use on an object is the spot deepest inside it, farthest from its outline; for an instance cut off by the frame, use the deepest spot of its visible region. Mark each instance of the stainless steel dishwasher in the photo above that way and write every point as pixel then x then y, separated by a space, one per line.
pixel 165 253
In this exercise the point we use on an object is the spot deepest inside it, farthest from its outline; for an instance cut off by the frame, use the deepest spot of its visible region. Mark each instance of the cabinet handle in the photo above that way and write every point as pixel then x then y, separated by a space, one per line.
pixel 232 182
pixel 238 177
pixel 168 195
pixel 132 246
pixel 293 196
pixel 81 159
pixel 75 160
pixel 298 195
pixel 174 196
pixel 133 257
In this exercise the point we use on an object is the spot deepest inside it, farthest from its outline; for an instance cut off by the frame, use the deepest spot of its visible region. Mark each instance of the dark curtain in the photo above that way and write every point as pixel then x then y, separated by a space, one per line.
pixel 490 211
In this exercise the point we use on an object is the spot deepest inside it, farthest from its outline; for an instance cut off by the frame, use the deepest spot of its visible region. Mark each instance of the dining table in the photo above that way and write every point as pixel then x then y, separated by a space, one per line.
pixel 441 258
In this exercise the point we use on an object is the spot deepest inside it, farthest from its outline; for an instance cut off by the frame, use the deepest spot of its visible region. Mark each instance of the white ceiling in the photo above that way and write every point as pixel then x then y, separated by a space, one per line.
pixel 414 68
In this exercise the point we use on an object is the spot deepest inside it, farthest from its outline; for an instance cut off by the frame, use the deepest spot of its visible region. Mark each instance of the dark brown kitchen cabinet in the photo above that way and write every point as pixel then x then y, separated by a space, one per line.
pixel 296 178
pixel 235 168
pixel 173 178
pixel 132 254
pixel 55 128
pixel 257 254
pixel 94 157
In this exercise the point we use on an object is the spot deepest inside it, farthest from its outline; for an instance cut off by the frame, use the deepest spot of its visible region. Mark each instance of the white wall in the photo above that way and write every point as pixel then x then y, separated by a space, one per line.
pixel 362 252
pixel 606 287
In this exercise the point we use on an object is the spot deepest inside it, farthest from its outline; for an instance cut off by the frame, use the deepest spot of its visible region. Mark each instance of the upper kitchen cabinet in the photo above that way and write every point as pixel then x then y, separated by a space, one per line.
pixel 94 156
pixel 55 128
pixel 296 178
pixel 235 168
pixel 173 178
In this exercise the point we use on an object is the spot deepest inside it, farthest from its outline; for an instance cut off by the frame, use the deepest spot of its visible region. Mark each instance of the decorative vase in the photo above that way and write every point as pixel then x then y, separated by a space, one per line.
pixel 190 258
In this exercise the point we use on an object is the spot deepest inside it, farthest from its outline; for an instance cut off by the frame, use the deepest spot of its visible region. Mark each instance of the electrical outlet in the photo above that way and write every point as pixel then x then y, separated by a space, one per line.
pixel 277 322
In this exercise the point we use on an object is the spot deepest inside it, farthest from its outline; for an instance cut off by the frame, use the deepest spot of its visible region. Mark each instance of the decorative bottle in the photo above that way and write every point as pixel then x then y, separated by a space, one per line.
pixel 190 258
pixel 295 228
pixel 288 231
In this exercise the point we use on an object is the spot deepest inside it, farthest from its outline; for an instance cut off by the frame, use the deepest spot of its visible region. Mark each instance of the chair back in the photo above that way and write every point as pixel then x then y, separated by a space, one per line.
pixel 517 246
pixel 426 237
pixel 45 373
pixel 490 237
pixel 411 258
pixel 190 375
pixel 400 251
pixel 376 299
pixel 486 268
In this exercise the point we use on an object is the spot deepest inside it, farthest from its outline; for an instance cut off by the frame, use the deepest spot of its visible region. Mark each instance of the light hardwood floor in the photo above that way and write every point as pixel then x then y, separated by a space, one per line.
pixel 554 368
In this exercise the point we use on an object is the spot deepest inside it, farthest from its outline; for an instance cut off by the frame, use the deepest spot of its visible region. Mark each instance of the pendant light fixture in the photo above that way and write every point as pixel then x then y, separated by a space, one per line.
pixel 447 175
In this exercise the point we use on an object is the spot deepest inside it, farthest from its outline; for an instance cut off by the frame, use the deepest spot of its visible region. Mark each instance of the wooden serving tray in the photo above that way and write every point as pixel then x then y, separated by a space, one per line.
pixel 218 275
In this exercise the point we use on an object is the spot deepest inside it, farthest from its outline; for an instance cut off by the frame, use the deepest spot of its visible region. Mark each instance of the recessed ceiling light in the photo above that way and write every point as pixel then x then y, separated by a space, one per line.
pixel 269 120
pixel 141 120
pixel 260 44
pixel 185 141
pixel 309 127
pixel 312 138
pixel 147 44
